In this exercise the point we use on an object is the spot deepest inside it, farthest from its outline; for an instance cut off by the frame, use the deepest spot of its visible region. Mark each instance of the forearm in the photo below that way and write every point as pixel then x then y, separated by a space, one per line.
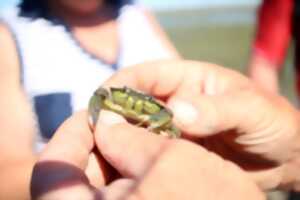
pixel 15 179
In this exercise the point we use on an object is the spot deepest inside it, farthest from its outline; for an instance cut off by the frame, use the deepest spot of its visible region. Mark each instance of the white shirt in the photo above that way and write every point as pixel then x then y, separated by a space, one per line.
pixel 59 76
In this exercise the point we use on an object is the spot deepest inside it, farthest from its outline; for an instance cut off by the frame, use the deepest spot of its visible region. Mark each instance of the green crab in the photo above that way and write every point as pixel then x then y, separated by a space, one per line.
pixel 137 107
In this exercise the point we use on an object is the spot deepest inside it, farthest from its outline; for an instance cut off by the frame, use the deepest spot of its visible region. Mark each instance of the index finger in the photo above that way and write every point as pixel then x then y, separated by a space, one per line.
pixel 158 78
pixel 59 171
pixel 180 77
pixel 72 142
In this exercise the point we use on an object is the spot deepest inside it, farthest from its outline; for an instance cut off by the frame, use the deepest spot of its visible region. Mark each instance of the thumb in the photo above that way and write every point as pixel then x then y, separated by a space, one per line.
pixel 72 143
pixel 118 189
pixel 129 149
pixel 208 115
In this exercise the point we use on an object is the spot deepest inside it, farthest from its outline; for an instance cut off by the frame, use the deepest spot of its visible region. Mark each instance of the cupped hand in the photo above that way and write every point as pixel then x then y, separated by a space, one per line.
pixel 224 112
pixel 163 168
pixel 152 166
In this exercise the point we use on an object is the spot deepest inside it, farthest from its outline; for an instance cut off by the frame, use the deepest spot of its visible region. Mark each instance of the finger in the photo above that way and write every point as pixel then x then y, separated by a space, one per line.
pixel 208 115
pixel 187 171
pixel 118 189
pixel 58 180
pixel 72 142
pixel 160 78
pixel 177 164
pixel 170 75
pixel 97 170
pixel 267 179
pixel 75 192
pixel 128 149
pixel 59 172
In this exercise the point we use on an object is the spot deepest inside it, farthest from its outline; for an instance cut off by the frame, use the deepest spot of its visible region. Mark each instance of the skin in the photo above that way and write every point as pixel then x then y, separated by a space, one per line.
pixel 98 31
pixel 150 159
pixel 262 133
pixel 79 7
pixel 264 73
pixel 16 142
pixel 258 132
pixel 264 65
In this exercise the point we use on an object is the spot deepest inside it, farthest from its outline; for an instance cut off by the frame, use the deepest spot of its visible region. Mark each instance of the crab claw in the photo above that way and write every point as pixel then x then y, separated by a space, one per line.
pixel 96 104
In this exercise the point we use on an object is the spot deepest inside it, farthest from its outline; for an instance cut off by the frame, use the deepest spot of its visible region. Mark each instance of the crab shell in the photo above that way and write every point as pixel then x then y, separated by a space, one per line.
pixel 134 106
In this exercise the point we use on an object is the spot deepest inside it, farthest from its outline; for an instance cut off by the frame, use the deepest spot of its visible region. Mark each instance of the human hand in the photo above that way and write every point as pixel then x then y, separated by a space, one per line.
pixel 163 168
pixel 152 166
pixel 69 167
pixel 226 113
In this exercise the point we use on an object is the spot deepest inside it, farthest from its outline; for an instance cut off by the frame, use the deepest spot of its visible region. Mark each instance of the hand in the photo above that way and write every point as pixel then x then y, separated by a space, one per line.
pixel 152 166
pixel 168 168
pixel 226 113
pixel 69 166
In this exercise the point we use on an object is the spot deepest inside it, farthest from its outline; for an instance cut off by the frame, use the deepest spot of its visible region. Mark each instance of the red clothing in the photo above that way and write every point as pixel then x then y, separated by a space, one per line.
pixel 278 21
pixel 274 30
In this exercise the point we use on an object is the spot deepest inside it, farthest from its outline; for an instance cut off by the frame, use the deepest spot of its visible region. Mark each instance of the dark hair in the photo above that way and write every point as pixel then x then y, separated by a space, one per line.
pixel 40 8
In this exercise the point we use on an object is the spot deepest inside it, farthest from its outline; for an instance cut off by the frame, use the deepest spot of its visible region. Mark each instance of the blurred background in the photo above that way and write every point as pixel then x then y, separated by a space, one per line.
pixel 218 31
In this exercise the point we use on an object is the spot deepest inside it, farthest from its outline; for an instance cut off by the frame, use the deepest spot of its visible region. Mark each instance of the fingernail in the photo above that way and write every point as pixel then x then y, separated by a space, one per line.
pixel 110 118
pixel 185 113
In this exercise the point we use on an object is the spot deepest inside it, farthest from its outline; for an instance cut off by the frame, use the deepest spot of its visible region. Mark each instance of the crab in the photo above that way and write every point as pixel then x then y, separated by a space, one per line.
pixel 138 108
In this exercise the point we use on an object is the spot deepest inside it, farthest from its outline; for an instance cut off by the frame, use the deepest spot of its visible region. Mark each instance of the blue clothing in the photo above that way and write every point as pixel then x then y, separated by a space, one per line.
pixel 59 76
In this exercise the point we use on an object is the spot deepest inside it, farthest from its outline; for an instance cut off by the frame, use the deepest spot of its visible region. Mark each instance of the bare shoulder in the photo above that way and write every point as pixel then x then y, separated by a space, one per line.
pixel 9 59
pixel 16 121
pixel 7 39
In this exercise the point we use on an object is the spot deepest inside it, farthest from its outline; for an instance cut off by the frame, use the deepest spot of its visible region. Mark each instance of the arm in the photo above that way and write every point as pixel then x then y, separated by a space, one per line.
pixel 16 125
pixel 270 43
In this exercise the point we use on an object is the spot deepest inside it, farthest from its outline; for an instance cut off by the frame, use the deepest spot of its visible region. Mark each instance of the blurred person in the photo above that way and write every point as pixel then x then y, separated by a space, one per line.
pixel 277 22
pixel 224 115
pixel 53 54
